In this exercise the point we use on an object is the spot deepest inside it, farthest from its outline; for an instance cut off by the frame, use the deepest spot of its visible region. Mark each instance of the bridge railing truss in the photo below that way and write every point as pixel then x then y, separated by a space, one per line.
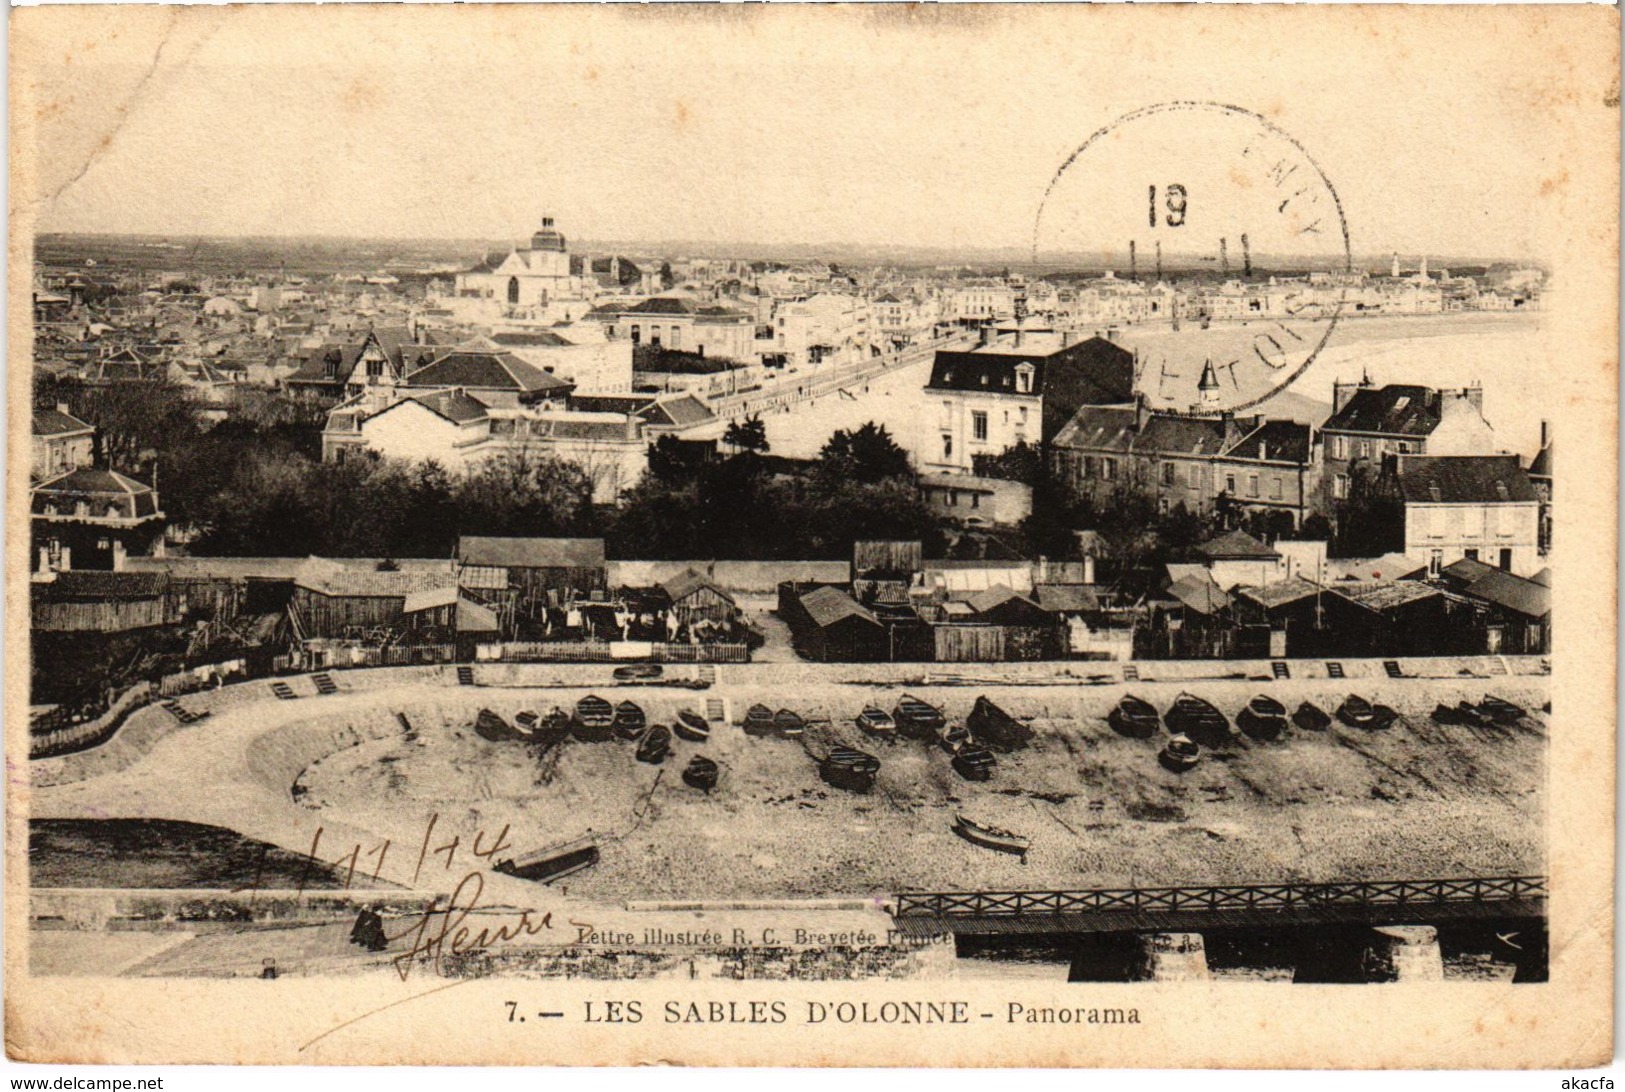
pixel 1284 896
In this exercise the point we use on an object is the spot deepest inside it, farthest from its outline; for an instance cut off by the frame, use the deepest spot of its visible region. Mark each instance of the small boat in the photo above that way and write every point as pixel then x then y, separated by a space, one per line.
pixel 1383 716
pixel 1180 754
pixel 1462 713
pixel 876 721
pixel 594 721
pixel 553 727
pixel 917 719
pixel 638 672
pixel 654 746
pixel 629 720
pixel 1262 718
pixel 701 773
pixel 991 837
pixel 974 763
pixel 1500 711
pixel 996 728
pixel 692 727
pixel 1199 720
pixel 1356 712
pixel 759 721
pixel 953 738
pixel 787 722
pixel 527 723
pixel 552 863
pixel 850 769
pixel 1134 717
pixel 492 727
pixel 1312 718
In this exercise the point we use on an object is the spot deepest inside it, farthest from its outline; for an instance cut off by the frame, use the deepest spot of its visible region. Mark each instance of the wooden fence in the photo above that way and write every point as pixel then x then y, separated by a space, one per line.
pixel 521 652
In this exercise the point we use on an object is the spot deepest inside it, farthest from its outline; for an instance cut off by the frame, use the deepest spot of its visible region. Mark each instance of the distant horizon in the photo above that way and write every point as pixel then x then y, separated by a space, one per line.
pixel 736 249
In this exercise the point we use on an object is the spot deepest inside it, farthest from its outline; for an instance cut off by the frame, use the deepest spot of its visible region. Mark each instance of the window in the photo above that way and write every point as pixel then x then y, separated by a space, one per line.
pixel 1196 476
pixel 1402 447
pixel 1087 468
pixel 976 500
pixel 1275 489
pixel 1230 484
pixel 1162 506
pixel 1168 471
pixel 951 497
pixel 674 337
pixel 1506 560
pixel 1471 553
pixel 513 289
pixel 1340 487
pixel 978 424
pixel 1340 447
pixel 1108 469
pixel 1252 485
pixel 947 445
pixel 1435 562
pixel 375 368
pixel 1024 379
pixel 637 334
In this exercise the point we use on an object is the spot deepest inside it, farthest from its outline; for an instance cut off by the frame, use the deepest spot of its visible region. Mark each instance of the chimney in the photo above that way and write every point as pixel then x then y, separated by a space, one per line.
pixel 1342 393
pixel 1142 412
pixel 62 407
pixel 981 336
pixel 1545 434
pixel 1232 431
pixel 1475 395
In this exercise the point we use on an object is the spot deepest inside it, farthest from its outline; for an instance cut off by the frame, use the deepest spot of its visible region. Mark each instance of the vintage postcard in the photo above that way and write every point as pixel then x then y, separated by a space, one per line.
pixel 821 535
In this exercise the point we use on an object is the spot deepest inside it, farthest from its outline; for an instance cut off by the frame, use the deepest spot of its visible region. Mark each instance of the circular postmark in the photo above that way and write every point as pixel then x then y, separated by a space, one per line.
pixel 1211 240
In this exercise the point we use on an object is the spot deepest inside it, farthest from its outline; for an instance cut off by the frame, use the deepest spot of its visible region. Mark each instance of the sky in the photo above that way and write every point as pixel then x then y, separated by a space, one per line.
pixel 903 126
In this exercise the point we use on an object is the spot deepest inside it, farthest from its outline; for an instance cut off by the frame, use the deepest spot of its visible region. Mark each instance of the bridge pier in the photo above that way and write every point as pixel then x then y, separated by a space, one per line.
pixel 1170 957
pixel 1139 957
pixel 1356 954
pixel 1403 953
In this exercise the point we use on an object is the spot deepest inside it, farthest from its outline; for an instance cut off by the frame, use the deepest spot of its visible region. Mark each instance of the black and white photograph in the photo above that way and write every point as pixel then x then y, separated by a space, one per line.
pixel 824 536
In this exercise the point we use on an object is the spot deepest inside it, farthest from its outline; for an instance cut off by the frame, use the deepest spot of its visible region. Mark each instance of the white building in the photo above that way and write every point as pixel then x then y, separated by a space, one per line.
pixel 1481 507
pixel 531 282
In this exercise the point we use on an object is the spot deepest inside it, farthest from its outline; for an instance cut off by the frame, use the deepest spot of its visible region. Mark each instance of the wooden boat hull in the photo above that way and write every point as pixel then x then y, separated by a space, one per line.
pixel 1134 719
pixel 692 727
pixel 974 765
pixel 548 865
pixel 1260 727
pixel 594 720
pixel 1500 711
pixel 849 769
pixel 918 719
pixel 996 728
pixel 629 720
pixel 1177 763
pixel 759 721
pixel 953 738
pixel 654 746
pixel 1003 841
pixel 1200 720
pixel 876 723
pixel 1311 718
pixel 787 722
pixel 701 773
pixel 490 726
pixel 1356 712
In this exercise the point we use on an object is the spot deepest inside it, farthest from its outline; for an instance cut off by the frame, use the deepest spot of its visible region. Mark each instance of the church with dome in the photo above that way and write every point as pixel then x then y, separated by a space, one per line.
pixel 534 281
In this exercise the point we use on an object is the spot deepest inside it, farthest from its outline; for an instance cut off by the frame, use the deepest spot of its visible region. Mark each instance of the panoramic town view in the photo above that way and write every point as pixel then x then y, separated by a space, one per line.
pixel 597 559
pixel 474 536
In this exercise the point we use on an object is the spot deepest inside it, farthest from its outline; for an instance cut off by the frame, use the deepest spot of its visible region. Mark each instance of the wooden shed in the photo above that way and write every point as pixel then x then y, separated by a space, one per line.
pixel 544 572
pixel 695 598
pixel 830 626
pixel 331 600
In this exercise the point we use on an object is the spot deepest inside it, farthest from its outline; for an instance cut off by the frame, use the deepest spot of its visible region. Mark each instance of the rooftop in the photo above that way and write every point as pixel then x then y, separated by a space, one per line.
pixel 1464 479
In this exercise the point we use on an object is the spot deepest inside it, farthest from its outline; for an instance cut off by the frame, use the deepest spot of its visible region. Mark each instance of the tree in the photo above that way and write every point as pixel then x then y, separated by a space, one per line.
pixel 866 454
pixel 747 435
pixel 1021 462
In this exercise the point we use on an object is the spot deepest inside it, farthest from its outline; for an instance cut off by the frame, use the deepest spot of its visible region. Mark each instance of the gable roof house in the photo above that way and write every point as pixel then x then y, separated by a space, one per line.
pixel 1480 507
pixel 1018 388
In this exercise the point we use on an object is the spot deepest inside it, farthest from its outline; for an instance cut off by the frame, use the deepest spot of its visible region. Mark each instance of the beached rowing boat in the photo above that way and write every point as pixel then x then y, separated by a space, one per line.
pixel 991 837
